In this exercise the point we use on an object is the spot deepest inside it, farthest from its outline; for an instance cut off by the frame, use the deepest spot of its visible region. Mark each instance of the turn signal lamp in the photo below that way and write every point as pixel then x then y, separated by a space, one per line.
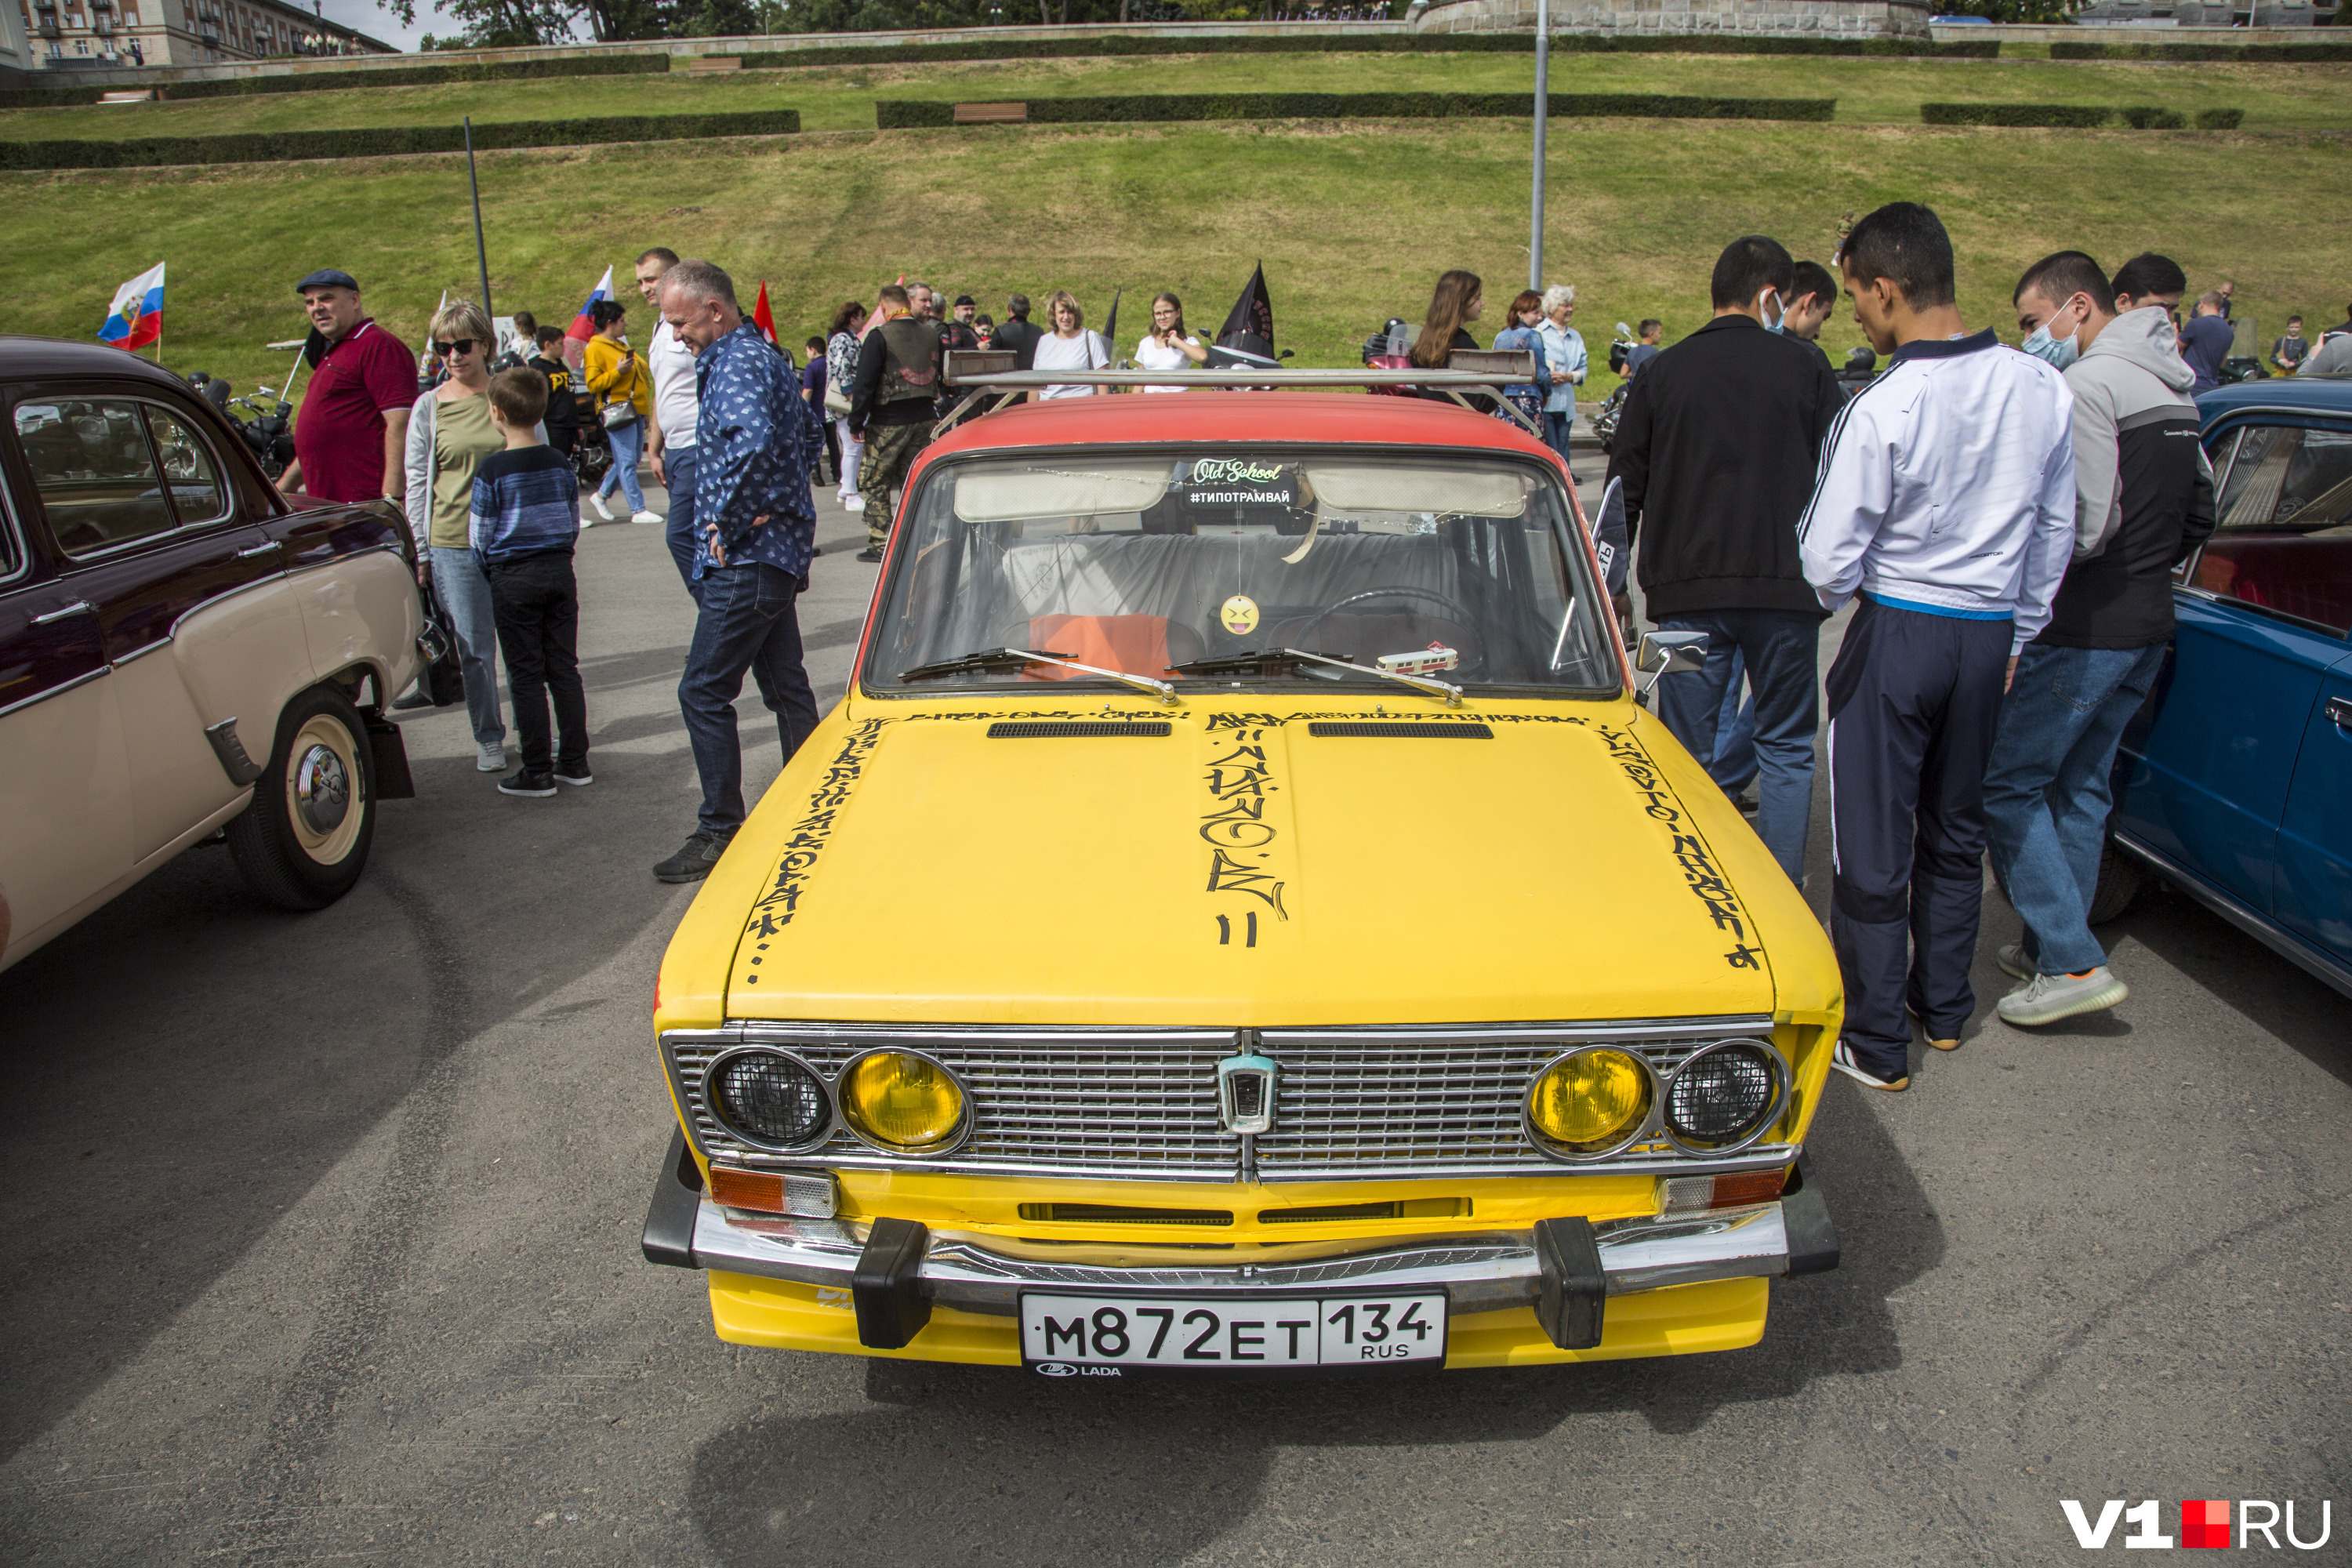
pixel 1696 1194
pixel 902 1102
pixel 1591 1102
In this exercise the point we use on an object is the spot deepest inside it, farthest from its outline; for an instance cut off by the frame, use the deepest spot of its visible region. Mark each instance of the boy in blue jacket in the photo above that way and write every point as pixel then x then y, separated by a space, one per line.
pixel 526 520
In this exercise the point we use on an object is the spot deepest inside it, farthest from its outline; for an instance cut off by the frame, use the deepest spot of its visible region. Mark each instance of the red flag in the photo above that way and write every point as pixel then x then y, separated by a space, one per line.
pixel 762 319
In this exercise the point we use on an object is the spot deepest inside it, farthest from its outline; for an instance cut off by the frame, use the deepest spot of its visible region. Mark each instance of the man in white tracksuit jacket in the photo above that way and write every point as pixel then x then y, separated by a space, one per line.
pixel 1945 501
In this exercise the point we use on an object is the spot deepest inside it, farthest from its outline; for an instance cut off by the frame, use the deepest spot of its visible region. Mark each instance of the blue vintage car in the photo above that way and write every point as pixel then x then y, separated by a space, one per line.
pixel 2234 783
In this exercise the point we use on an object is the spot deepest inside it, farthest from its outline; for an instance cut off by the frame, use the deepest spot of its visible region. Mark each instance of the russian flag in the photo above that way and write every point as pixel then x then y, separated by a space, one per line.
pixel 137 318
pixel 583 329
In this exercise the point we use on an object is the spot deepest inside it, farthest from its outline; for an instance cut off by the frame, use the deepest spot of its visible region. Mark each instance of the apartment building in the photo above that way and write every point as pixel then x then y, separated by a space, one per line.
pixel 113 33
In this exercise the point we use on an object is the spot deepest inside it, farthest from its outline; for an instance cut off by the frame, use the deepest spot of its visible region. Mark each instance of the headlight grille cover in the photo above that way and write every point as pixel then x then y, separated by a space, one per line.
pixel 766 1099
pixel 1720 1094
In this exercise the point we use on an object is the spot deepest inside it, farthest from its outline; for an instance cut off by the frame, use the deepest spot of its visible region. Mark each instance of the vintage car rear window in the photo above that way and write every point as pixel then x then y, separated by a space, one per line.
pixel 1456 566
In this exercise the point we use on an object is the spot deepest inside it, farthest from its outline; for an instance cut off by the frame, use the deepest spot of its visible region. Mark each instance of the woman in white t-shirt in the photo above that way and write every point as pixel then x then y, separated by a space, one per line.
pixel 1167 346
pixel 1070 346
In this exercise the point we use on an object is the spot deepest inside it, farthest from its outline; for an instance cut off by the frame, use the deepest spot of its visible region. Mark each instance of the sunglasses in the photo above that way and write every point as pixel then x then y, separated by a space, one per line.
pixel 460 346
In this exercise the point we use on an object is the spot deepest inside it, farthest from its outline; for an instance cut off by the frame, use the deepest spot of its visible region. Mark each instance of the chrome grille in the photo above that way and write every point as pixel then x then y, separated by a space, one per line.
pixel 1142 1103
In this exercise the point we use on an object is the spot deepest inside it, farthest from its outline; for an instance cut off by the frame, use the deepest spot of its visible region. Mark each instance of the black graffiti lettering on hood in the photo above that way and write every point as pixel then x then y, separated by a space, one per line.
pixel 1699 874
pixel 776 908
pixel 1238 783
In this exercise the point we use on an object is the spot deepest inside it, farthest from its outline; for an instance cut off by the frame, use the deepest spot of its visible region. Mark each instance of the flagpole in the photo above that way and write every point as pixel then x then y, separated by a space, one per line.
pixel 481 253
pixel 1543 108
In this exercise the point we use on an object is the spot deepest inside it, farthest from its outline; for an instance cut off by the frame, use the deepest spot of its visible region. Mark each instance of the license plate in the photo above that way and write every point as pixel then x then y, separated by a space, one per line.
pixel 1064 1336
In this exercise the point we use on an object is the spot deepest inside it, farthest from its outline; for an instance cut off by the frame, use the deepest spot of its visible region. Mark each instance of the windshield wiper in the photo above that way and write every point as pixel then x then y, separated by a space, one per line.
pixel 1259 661
pixel 1006 658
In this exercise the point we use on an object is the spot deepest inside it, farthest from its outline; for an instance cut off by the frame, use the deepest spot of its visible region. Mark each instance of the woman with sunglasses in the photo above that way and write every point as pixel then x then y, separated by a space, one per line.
pixel 449 434
pixel 624 399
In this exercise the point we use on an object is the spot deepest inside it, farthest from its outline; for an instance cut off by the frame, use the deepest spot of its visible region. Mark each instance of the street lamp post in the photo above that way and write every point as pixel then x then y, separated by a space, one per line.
pixel 1543 108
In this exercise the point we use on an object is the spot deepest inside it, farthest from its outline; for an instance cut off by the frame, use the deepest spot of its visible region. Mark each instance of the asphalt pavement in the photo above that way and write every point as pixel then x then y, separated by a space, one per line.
pixel 324 1246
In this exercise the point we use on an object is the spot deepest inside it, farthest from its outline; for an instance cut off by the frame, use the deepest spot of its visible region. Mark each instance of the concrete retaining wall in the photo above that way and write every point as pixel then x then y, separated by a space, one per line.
pixel 1757 18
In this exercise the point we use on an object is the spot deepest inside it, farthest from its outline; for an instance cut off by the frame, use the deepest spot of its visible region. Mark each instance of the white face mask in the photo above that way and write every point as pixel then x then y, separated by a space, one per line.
pixel 1775 314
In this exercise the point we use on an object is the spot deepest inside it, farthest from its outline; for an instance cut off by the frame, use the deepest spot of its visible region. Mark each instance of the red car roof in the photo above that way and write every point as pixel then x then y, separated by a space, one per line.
pixel 1236 416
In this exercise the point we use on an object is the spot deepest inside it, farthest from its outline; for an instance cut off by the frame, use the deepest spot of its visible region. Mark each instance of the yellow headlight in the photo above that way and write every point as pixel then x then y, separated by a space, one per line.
pixel 902 1102
pixel 1591 1101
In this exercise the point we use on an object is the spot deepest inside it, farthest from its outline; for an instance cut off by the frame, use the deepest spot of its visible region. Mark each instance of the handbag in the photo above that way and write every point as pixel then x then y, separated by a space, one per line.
pixel 444 678
pixel 834 403
pixel 619 416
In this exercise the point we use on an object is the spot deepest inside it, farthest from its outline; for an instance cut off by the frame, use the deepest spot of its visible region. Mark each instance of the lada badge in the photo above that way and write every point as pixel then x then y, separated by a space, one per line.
pixel 1246 1093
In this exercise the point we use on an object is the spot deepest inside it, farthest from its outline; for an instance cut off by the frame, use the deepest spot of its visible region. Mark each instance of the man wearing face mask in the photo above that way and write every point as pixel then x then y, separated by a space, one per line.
pixel 2143 500
pixel 1716 450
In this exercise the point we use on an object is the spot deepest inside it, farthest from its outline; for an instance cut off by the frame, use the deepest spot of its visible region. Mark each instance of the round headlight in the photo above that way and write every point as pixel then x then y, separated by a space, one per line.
pixel 1590 1102
pixel 1722 1094
pixel 768 1099
pixel 901 1101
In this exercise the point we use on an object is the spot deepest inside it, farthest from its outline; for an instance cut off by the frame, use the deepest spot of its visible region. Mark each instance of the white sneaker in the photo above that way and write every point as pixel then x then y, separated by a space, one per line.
pixel 602 511
pixel 2047 998
pixel 855 503
pixel 491 758
pixel 2013 962
pixel 645 517
pixel 1846 1062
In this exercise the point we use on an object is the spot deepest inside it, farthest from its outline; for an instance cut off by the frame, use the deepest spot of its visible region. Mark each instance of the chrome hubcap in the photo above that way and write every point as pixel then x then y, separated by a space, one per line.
pixel 322 790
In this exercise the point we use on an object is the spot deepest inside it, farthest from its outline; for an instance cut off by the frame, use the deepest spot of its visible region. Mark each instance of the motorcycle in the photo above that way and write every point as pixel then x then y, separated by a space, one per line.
pixel 1604 421
pixel 268 433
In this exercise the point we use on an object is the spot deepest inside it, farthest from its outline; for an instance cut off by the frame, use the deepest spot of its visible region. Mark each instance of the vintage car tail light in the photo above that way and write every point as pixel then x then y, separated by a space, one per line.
pixel 902 1102
pixel 768 1099
pixel 1724 1093
pixel 1590 1102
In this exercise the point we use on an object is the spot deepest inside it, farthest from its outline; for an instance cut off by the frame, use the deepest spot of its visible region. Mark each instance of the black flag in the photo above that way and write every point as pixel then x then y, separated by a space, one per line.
pixel 1110 327
pixel 1246 340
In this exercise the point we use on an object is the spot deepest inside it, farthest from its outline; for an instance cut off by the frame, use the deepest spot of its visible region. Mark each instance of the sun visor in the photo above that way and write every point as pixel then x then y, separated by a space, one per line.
pixel 1381 487
pixel 1001 494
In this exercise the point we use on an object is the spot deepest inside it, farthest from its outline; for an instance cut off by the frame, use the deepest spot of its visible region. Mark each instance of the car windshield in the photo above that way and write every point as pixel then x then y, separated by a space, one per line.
pixel 1447 567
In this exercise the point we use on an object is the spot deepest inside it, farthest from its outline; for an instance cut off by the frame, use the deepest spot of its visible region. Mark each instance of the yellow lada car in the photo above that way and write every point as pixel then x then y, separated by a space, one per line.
pixel 1239 919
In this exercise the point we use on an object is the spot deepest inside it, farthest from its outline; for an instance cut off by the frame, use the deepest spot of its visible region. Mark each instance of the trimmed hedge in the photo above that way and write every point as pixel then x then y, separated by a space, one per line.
pixel 1155 108
pixel 1371 44
pixel 2077 116
pixel 2268 53
pixel 1024 49
pixel 270 147
pixel 330 81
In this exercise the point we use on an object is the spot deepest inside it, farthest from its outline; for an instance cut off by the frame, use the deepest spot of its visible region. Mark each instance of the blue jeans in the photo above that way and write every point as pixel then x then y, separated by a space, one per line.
pixel 1557 424
pixel 2047 790
pixel 1779 648
pixel 747 623
pixel 628 445
pixel 465 593
pixel 677 462
pixel 1733 764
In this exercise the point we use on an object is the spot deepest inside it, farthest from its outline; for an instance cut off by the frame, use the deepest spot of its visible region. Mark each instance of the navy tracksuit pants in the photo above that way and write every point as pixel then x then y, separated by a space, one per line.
pixel 1913 699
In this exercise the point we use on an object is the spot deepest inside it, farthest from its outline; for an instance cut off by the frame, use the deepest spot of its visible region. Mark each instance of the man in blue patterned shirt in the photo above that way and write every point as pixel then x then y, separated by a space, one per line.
pixel 755 440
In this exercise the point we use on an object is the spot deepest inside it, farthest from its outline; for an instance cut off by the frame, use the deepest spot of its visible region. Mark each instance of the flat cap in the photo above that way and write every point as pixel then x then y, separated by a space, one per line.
pixel 328 278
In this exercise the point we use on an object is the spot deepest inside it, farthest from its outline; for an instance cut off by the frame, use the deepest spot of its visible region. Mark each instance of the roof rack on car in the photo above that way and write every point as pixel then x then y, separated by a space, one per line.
pixel 1488 371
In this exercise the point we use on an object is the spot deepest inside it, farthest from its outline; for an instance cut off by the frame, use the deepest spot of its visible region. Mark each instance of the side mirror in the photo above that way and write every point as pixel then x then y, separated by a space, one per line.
pixel 1660 654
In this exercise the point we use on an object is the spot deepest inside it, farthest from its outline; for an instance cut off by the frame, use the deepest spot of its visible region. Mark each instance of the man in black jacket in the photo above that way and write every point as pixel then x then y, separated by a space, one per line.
pixel 1016 333
pixel 1716 449
pixel 890 407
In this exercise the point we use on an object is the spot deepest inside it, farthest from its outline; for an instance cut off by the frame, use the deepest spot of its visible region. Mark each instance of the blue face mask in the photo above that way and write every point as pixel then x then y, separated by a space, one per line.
pixel 1779 313
pixel 2059 352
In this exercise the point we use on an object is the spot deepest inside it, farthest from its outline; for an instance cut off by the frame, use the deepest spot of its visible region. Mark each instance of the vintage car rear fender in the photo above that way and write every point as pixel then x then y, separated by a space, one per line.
pixel 907 867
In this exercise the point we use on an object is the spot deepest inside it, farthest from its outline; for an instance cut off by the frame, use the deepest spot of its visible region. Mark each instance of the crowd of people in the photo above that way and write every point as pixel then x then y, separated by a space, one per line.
pixel 2007 522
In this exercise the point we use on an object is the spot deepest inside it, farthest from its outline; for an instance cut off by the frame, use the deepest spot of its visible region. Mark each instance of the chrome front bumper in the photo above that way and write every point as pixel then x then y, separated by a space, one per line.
pixel 897 1271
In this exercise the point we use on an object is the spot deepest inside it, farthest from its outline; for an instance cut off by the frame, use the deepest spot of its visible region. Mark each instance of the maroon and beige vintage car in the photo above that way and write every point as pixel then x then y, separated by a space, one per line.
pixel 182 654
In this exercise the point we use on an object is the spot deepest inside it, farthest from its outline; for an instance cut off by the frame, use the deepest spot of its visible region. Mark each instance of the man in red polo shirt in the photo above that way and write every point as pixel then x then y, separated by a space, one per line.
pixel 348 437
